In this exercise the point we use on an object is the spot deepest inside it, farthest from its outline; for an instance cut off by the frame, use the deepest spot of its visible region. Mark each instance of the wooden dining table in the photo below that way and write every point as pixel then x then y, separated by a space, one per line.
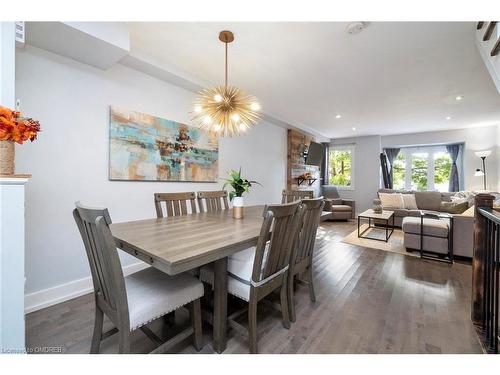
pixel 177 244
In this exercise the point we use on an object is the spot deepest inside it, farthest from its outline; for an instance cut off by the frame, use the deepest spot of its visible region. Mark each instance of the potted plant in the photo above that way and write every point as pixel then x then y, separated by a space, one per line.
pixel 240 186
pixel 14 128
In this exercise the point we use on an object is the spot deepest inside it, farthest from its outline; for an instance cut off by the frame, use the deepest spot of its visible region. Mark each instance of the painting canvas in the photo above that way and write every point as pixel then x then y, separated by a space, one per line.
pixel 149 148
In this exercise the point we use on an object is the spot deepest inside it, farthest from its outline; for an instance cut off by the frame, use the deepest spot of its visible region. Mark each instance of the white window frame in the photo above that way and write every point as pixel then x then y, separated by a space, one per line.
pixel 349 147
pixel 430 150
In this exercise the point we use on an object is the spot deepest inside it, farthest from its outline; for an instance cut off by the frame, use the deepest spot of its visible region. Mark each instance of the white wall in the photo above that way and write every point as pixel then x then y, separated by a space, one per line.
pixel 475 139
pixel 12 217
pixel 498 158
pixel 69 161
pixel 366 170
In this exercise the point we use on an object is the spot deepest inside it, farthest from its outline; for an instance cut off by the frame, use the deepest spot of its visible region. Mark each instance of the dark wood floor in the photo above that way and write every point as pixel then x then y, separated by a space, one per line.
pixel 368 301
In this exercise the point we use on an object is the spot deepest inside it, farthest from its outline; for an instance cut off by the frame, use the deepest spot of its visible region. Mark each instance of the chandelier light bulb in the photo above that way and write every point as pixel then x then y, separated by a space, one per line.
pixel 207 120
pixel 235 116
pixel 218 98
pixel 255 106
pixel 197 109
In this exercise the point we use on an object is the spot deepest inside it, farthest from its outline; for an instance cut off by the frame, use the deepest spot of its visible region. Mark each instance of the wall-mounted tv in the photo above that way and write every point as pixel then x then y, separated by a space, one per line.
pixel 315 154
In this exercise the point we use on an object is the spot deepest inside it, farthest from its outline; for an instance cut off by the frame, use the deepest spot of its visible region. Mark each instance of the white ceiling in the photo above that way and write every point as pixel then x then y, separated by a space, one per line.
pixel 391 78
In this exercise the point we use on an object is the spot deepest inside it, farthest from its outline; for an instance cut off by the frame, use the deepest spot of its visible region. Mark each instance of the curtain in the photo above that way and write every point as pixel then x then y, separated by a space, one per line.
pixel 453 150
pixel 324 166
pixel 391 153
pixel 385 170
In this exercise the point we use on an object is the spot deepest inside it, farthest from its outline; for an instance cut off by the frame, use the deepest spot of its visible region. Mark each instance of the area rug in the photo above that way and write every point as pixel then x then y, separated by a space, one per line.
pixel 394 245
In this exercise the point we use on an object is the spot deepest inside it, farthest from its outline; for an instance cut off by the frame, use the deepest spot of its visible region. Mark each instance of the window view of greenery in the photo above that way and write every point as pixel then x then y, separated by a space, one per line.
pixel 442 170
pixel 340 167
pixel 399 171
pixel 419 171
pixel 421 177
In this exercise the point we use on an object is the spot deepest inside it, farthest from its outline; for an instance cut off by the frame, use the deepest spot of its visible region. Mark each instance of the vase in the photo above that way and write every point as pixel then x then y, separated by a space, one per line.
pixel 7 153
pixel 377 206
pixel 238 204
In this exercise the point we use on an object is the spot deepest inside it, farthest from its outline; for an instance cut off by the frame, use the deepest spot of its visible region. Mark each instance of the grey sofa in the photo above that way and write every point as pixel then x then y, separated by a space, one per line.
pixel 430 202
pixel 341 209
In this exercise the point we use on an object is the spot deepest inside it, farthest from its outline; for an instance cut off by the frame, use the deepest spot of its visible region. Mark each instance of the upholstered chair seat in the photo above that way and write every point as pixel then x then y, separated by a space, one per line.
pixel 152 294
pixel 239 269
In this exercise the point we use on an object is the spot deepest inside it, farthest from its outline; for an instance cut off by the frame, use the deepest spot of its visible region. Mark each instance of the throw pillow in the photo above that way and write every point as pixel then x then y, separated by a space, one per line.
pixel 454 208
pixel 409 201
pixel 391 200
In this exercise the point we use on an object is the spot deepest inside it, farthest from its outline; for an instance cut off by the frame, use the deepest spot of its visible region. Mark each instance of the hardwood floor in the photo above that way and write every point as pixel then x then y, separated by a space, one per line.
pixel 368 301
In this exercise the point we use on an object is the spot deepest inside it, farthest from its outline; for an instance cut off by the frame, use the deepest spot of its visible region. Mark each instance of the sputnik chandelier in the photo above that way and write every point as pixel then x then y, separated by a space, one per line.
pixel 225 110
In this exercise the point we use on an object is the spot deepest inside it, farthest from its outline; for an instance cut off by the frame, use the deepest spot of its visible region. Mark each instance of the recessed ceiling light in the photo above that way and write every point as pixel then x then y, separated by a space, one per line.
pixel 338 116
pixel 353 129
pixel 448 117
pixel 458 98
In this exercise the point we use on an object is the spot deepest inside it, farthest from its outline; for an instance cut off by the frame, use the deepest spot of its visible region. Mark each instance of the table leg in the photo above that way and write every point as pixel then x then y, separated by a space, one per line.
pixel 220 305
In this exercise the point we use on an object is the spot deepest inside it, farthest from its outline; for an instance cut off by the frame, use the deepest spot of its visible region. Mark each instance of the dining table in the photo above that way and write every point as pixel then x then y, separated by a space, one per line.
pixel 177 244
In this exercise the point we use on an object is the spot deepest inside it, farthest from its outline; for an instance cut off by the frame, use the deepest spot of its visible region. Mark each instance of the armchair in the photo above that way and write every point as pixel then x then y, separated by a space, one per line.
pixel 341 209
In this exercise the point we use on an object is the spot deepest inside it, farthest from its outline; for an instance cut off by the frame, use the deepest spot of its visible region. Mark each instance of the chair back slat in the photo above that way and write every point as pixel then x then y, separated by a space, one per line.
pixel 176 203
pixel 288 196
pixel 307 234
pixel 273 256
pixel 212 201
pixel 105 265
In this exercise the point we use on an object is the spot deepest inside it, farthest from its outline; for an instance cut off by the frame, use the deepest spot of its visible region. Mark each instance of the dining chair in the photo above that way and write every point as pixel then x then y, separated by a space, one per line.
pixel 301 259
pixel 176 203
pixel 288 196
pixel 134 301
pixel 211 201
pixel 256 272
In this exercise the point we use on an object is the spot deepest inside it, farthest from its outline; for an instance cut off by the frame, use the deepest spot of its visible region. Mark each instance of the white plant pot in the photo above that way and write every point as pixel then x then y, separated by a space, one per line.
pixel 238 202
pixel 238 207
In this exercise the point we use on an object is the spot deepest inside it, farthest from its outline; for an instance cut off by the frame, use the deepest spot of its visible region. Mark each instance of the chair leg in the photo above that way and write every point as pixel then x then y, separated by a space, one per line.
pixel 312 295
pixel 195 313
pixel 252 327
pixel 207 295
pixel 284 305
pixel 291 301
pixel 96 336
pixel 124 342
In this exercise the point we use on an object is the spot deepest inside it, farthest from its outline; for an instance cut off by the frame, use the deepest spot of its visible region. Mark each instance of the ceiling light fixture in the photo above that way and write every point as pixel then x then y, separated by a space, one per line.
pixel 448 118
pixel 458 98
pixel 225 110
pixel 353 129
pixel 338 116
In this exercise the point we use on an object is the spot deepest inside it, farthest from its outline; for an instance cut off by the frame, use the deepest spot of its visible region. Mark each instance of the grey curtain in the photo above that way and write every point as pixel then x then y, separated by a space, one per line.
pixel 454 150
pixel 324 165
pixel 391 153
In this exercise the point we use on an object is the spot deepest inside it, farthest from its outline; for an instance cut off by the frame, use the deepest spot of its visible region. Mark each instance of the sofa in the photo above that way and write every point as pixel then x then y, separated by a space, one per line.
pixel 340 208
pixel 430 202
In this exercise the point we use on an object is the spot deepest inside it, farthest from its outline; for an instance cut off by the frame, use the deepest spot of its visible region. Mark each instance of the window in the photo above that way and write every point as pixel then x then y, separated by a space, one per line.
pixel 341 166
pixel 423 168
pixel 419 167
pixel 399 171
pixel 442 171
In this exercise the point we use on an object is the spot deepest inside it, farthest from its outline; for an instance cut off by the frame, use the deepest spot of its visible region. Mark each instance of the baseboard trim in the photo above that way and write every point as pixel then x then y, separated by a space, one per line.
pixel 64 292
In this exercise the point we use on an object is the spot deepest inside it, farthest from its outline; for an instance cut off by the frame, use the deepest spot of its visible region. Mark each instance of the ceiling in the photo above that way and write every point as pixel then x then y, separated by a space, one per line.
pixel 392 78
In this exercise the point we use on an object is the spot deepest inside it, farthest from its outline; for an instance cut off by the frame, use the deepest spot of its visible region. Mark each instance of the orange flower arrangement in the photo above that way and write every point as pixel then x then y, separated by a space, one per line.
pixel 15 128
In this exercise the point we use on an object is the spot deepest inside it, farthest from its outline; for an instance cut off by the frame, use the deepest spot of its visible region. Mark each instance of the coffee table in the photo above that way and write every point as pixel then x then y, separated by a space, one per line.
pixel 385 216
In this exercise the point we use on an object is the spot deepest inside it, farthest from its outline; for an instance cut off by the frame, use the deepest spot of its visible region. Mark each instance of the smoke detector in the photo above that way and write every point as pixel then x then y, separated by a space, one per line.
pixel 356 27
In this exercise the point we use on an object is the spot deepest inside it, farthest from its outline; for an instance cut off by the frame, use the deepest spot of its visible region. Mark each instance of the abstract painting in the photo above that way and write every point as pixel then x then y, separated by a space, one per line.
pixel 148 148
